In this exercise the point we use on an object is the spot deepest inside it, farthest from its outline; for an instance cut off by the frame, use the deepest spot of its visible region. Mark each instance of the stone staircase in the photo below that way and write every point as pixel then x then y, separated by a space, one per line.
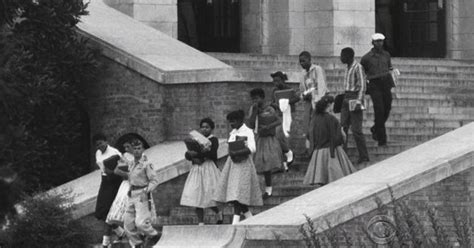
pixel 426 105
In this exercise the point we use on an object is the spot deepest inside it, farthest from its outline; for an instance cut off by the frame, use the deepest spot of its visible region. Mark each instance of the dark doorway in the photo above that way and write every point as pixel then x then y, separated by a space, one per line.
pixel 414 28
pixel 210 25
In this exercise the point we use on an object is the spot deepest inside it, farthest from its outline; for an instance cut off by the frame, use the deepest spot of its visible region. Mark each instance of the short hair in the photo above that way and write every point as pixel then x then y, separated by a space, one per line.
pixel 236 115
pixel 305 54
pixel 208 121
pixel 348 51
pixel 257 92
pixel 136 142
pixel 323 103
pixel 279 74
pixel 98 136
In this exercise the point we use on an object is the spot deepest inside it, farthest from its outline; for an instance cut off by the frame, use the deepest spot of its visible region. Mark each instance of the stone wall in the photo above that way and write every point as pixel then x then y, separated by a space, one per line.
pixel 450 196
pixel 321 27
pixel 123 101
pixel 460 29
pixel 159 14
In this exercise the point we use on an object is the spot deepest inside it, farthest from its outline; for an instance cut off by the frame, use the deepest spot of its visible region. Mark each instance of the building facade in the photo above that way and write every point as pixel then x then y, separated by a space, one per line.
pixel 414 28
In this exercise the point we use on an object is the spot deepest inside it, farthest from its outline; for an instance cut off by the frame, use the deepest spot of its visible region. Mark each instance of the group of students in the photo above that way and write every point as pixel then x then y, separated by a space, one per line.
pixel 136 175
pixel 266 130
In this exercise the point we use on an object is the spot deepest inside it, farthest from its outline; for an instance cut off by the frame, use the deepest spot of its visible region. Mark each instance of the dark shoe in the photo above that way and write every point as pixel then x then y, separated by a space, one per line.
pixel 152 240
pixel 374 134
pixel 382 144
pixel 219 222
pixel 119 239
pixel 139 246
pixel 266 195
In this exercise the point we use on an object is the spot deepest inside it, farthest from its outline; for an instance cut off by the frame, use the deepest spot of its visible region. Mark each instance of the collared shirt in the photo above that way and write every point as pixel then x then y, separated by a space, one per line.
pixel 247 132
pixel 314 80
pixel 143 174
pixel 100 157
pixel 354 79
pixel 376 64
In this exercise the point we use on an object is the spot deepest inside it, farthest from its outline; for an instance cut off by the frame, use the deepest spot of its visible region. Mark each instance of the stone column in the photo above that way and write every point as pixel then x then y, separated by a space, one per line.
pixel 159 14
pixel 460 29
pixel 322 27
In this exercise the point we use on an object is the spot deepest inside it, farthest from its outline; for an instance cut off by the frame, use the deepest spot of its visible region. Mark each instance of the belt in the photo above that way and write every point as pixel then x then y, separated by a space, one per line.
pixel 134 187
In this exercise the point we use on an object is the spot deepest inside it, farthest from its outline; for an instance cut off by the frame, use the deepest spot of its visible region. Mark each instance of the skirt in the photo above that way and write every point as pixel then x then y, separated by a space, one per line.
pixel 200 185
pixel 119 205
pixel 108 189
pixel 239 182
pixel 269 156
pixel 323 169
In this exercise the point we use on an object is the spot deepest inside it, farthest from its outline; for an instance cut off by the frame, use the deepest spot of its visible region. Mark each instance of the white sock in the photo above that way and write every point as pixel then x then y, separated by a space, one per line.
pixel 289 156
pixel 105 240
pixel 236 219
pixel 201 224
pixel 285 165
pixel 268 190
pixel 119 231
pixel 248 214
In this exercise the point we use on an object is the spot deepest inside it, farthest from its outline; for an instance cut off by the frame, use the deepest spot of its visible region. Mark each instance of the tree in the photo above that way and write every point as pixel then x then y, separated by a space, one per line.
pixel 43 64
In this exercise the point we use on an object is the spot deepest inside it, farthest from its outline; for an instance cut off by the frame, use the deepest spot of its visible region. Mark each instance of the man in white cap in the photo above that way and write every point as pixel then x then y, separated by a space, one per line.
pixel 377 65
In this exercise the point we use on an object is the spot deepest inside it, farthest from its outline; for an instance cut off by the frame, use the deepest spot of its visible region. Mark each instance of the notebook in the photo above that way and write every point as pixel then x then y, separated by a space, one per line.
pixel 284 94
pixel 111 162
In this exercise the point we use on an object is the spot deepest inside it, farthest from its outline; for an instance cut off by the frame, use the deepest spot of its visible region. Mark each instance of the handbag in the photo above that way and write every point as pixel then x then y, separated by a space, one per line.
pixel 338 103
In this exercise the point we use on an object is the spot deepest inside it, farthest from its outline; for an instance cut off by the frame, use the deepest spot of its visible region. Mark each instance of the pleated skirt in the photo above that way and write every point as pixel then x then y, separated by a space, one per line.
pixel 239 182
pixel 269 155
pixel 322 169
pixel 200 185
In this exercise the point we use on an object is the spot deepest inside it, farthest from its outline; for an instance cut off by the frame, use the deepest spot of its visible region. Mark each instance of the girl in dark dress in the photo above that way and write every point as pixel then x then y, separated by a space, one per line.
pixel 328 162
pixel 203 176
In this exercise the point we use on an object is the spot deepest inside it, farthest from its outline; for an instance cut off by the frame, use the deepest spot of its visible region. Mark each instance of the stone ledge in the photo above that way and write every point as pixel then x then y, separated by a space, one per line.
pixel 84 189
pixel 354 195
pixel 143 48
pixel 190 236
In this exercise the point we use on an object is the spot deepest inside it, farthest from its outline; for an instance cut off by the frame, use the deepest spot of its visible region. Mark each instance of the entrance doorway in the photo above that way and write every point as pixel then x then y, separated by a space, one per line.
pixel 414 28
pixel 210 25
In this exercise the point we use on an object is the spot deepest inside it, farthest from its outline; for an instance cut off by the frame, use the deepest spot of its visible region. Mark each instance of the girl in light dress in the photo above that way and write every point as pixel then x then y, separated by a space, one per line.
pixel 239 183
pixel 203 176
pixel 328 162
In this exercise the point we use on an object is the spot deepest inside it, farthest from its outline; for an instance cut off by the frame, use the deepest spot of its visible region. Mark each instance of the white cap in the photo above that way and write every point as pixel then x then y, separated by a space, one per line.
pixel 378 36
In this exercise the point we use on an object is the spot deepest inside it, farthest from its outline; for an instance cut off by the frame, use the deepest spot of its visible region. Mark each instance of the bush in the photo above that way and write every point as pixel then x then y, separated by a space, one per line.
pixel 46 221
pixel 43 64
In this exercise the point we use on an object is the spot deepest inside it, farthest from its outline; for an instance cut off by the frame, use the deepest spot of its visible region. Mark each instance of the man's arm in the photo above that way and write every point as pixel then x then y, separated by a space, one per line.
pixel 153 177
pixel 360 76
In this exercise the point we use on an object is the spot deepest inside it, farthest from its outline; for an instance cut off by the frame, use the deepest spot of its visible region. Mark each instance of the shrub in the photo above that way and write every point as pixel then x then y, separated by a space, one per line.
pixel 46 221
pixel 43 64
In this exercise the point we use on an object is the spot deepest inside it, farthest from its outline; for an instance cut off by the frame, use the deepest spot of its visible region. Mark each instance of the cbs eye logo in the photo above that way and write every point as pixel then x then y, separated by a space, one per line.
pixel 381 229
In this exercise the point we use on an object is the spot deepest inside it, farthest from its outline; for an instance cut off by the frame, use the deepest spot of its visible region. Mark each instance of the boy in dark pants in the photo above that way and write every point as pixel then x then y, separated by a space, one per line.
pixel 354 90
pixel 377 65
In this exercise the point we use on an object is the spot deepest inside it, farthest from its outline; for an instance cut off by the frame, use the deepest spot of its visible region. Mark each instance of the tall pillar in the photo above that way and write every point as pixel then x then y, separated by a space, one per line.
pixel 159 14
pixel 322 27
pixel 460 29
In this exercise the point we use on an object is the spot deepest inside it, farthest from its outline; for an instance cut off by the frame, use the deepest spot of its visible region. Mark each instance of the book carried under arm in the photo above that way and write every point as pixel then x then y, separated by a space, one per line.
pixel 239 144
pixel 201 139
pixel 111 162
pixel 284 94
pixel 355 105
